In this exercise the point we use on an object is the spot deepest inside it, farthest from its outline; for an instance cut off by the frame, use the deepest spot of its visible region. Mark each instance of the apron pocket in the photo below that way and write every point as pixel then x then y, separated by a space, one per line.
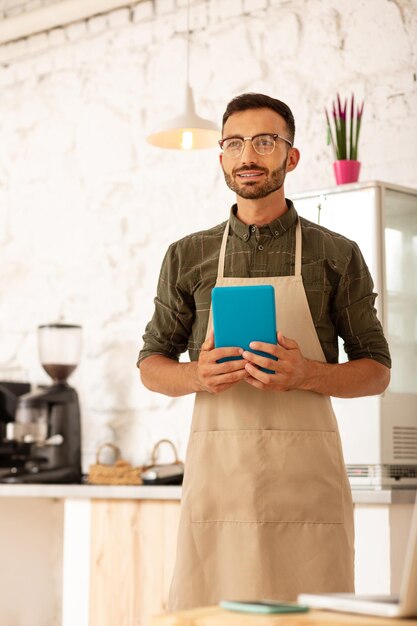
pixel 266 476
pixel 304 478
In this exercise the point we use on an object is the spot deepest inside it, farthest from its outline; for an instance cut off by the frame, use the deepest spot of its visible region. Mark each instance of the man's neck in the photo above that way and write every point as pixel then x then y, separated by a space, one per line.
pixel 262 211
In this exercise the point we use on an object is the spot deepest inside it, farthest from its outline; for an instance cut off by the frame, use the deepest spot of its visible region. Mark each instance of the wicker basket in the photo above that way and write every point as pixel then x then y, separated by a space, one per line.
pixel 120 473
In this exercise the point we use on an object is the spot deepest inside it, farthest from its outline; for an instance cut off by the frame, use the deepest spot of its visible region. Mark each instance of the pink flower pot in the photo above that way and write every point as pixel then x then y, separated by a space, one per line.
pixel 346 171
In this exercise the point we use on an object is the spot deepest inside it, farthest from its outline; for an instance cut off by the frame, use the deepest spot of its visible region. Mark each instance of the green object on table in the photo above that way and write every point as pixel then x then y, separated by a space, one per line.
pixel 262 606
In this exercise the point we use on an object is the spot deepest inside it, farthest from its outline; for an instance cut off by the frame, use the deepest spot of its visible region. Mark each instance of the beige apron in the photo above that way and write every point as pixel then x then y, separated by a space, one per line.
pixel 266 508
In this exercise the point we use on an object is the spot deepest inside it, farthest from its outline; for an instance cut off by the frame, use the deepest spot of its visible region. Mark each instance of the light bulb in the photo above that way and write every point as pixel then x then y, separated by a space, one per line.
pixel 187 140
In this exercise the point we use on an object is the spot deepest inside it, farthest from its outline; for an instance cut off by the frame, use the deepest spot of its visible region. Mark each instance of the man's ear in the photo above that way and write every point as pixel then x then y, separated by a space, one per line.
pixel 292 159
pixel 221 158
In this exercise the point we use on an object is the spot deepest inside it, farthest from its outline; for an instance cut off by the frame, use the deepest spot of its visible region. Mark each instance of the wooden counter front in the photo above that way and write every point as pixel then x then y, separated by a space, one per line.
pixel 215 616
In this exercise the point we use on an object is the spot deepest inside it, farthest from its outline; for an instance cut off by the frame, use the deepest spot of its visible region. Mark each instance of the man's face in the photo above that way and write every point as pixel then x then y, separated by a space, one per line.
pixel 252 175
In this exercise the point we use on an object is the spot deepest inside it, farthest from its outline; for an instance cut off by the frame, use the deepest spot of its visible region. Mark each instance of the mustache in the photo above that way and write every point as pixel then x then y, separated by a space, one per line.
pixel 249 168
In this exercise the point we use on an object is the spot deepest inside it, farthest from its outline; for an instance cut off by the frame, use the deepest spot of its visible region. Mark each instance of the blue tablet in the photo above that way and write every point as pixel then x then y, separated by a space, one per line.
pixel 244 314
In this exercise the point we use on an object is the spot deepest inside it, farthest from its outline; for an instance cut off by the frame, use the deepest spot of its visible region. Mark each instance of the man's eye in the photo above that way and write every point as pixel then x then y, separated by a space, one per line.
pixel 265 141
pixel 233 144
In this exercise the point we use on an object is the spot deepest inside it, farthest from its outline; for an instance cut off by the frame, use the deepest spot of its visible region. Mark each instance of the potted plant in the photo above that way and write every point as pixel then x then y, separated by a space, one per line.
pixel 344 138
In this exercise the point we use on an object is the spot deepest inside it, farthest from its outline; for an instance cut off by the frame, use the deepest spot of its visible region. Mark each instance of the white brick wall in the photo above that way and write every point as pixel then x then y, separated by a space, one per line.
pixel 13 8
pixel 87 208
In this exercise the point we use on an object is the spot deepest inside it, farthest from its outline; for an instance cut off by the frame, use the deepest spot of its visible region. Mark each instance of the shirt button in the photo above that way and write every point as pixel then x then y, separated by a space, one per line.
pixel 245 236
pixel 260 247
pixel 276 233
pixel 253 228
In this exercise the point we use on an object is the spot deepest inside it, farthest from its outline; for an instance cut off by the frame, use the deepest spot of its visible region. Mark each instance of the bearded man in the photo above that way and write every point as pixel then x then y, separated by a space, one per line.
pixel 266 507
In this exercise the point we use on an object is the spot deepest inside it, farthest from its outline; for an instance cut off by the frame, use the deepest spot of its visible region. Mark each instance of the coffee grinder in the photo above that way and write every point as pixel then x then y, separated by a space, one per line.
pixel 47 424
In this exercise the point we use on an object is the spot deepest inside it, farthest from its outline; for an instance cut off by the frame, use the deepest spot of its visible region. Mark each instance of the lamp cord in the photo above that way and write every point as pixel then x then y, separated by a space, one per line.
pixel 188 43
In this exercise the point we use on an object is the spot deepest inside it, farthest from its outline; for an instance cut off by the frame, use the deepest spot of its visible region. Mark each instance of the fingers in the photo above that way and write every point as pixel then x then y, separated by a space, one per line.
pixel 279 350
pixel 290 368
pixel 286 342
pixel 212 355
pixel 215 376
pixel 214 381
pixel 209 342
pixel 258 361
pixel 219 353
pixel 224 367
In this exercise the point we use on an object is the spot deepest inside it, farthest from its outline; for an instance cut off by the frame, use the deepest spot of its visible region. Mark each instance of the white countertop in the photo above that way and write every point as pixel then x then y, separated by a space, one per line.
pixel 167 492
pixel 117 492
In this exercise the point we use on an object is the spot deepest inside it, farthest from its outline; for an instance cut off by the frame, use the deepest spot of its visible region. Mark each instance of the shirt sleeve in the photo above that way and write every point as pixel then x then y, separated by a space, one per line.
pixel 168 331
pixel 355 316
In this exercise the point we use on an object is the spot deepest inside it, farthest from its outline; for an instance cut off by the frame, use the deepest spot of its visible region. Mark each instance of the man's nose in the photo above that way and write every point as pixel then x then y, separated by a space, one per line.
pixel 249 154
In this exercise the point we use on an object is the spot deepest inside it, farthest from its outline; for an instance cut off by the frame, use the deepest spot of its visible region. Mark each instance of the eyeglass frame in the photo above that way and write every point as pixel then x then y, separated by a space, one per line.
pixel 275 136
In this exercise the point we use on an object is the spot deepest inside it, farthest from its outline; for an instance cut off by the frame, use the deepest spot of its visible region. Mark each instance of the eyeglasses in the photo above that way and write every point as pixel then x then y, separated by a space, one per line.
pixel 262 144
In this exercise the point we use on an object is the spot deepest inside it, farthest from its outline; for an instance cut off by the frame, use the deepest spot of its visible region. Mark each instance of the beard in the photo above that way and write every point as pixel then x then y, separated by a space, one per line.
pixel 255 190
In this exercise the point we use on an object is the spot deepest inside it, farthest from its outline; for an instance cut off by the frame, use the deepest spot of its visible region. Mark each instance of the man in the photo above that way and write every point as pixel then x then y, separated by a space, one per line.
pixel 266 508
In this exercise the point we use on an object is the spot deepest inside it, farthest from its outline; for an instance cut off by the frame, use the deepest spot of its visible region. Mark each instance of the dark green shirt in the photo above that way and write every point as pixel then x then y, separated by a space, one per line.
pixel 336 279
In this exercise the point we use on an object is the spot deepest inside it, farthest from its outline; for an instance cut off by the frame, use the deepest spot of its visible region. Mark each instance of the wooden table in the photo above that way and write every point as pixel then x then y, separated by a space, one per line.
pixel 214 616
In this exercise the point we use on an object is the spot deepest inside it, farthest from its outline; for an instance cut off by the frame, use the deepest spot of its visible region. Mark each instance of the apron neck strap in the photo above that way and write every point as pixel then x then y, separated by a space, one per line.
pixel 220 269
pixel 298 250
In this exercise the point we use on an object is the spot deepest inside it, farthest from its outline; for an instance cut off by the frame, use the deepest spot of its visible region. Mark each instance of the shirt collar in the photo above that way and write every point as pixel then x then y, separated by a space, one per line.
pixel 276 228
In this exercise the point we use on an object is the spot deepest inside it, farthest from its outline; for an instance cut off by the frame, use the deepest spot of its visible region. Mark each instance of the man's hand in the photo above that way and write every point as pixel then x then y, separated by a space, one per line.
pixel 361 377
pixel 291 369
pixel 216 377
pixel 164 375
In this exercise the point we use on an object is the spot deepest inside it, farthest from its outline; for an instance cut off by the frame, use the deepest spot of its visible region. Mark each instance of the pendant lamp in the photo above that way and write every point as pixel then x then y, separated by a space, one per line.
pixel 187 131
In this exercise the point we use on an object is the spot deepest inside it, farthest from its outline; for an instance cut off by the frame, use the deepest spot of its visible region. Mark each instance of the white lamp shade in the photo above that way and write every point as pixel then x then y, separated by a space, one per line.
pixel 187 131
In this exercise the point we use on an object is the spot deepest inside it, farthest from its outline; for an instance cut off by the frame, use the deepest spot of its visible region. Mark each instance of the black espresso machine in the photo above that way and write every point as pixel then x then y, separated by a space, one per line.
pixel 41 429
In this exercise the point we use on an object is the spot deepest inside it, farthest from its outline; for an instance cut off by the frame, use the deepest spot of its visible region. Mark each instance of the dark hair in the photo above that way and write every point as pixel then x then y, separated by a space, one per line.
pixel 259 101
